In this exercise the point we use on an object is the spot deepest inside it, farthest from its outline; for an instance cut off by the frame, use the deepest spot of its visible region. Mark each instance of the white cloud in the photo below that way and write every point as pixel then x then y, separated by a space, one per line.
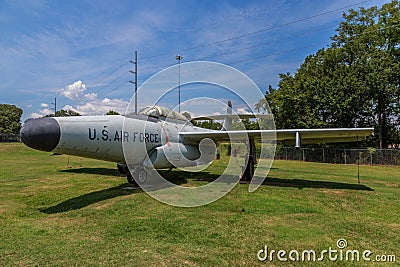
pixel 89 104
pixel 91 96
pixel 74 91
pixel 41 113
pixel 99 107
pixel 242 111
pixel 35 115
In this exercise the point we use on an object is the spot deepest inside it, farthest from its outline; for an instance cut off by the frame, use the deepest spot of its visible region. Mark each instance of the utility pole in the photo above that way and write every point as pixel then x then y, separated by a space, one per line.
pixel 134 82
pixel 179 58
pixel 55 106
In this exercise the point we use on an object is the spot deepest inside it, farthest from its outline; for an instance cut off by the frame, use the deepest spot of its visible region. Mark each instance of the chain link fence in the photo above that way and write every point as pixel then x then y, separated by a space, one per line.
pixel 370 156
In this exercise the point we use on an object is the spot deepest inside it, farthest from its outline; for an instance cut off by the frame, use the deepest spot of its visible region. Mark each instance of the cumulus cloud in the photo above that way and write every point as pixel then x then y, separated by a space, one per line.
pixel 242 111
pixel 84 103
pixel 99 107
pixel 91 96
pixel 91 104
pixel 76 91
pixel 42 112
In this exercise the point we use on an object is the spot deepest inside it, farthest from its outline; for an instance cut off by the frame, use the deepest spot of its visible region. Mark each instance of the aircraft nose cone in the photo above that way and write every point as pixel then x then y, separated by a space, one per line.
pixel 41 134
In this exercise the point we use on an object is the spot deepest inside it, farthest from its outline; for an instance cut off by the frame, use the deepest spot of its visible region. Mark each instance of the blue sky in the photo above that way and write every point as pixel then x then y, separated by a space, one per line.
pixel 79 51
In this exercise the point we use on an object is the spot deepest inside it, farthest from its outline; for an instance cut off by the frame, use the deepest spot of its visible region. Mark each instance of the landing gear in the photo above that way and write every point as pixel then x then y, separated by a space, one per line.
pixel 248 171
pixel 130 179
pixel 138 172
pixel 141 175
pixel 138 177
pixel 122 168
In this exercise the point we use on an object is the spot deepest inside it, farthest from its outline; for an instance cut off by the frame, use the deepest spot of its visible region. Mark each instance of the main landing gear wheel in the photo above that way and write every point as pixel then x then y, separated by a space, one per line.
pixel 122 168
pixel 140 175
pixel 130 179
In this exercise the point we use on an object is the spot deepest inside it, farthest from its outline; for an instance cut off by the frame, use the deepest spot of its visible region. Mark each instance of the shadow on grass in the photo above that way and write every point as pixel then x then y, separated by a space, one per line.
pixel 301 183
pixel 176 177
pixel 97 171
pixel 88 199
pixel 179 177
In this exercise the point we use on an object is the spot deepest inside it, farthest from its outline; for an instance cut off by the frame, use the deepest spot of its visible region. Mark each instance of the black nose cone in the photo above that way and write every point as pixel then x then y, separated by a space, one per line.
pixel 41 134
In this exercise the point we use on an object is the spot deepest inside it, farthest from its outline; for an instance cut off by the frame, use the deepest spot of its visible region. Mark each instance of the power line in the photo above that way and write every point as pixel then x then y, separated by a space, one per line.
pixel 111 73
pixel 259 31
pixel 277 53
pixel 285 51
pixel 255 46
pixel 109 83
pixel 267 43
pixel 115 88
pixel 318 44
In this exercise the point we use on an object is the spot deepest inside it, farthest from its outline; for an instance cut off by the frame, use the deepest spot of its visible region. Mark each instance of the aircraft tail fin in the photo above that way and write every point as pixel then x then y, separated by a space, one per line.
pixel 227 126
pixel 228 117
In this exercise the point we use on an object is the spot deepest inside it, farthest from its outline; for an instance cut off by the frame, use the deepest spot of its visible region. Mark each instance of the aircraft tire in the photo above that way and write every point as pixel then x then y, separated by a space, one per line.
pixel 141 176
pixel 122 169
pixel 130 179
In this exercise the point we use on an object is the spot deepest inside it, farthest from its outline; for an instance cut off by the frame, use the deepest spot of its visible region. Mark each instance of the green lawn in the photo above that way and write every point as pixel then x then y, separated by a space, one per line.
pixel 61 210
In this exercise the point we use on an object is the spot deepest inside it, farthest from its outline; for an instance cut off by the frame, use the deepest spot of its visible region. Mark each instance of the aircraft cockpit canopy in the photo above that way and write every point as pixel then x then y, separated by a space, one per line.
pixel 162 113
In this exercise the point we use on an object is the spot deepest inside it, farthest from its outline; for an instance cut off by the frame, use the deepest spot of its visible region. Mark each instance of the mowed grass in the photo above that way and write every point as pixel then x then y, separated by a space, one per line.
pixel 68 211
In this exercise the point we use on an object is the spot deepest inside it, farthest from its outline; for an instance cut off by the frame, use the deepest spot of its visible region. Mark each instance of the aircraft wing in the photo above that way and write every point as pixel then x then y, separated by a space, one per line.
pixel 232 116
pixel 296 136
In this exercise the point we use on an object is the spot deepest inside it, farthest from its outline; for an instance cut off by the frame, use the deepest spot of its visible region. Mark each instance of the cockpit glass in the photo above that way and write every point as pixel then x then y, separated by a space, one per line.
pixel 163 113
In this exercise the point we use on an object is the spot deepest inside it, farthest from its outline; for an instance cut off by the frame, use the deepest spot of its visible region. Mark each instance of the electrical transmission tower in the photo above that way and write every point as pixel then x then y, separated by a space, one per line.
pixel 55 106
pixel 134 82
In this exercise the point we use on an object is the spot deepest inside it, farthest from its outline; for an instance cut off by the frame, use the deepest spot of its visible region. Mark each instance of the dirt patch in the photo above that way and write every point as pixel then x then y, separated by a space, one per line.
pixel 335 192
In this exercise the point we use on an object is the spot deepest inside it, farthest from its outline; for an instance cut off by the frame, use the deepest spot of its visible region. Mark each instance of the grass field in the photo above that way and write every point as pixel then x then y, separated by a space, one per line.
pixel 60 210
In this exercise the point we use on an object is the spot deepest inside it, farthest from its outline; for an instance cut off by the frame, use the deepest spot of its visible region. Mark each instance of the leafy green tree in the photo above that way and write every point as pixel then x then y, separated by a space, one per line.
pixel 64 113
pixel 112 112
pixel 208 124
pixel 10 119
pixel 353 83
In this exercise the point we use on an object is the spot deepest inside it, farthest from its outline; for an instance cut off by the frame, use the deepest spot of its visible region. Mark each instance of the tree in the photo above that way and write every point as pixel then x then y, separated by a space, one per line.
pixel 10 119
pixel 112 112
pixel 208 124
pixel 372 37
pixel 353 83
pixel 64 113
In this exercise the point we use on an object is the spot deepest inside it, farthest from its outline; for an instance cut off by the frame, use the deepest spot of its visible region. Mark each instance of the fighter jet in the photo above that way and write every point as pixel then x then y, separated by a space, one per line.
pixel 159 138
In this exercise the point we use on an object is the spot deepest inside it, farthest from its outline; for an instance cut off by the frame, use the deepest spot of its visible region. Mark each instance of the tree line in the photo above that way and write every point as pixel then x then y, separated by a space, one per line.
pixel 353 83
